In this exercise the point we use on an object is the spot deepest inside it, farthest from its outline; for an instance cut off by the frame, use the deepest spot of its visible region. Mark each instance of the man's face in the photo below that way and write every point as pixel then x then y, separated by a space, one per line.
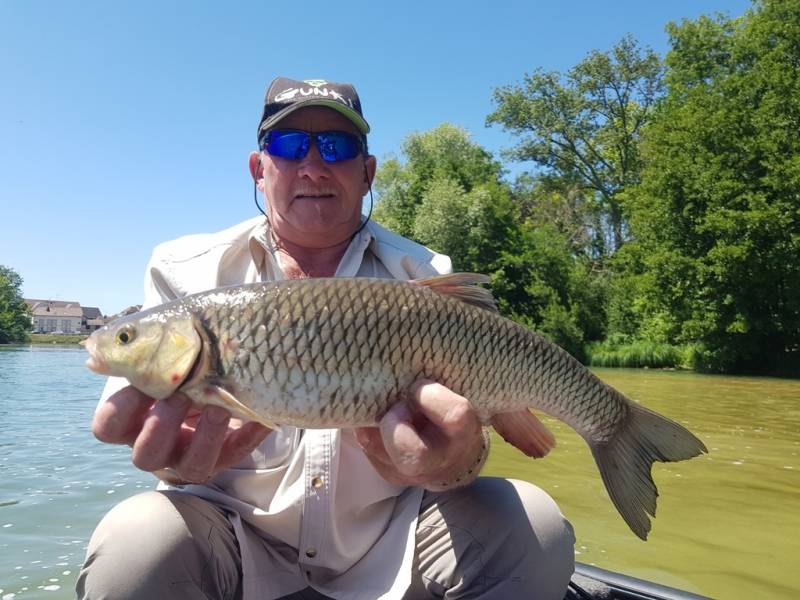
pixel 311 202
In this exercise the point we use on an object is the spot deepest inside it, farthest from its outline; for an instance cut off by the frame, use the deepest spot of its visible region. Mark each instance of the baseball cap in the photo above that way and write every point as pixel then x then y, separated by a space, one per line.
pixel 284 96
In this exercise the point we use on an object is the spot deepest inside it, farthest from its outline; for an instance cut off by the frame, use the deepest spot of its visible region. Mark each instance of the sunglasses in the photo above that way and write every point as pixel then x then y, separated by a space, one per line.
pixel 293 144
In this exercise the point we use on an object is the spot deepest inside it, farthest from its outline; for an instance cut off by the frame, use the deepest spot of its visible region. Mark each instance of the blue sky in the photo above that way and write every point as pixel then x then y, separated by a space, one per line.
pixel 124 124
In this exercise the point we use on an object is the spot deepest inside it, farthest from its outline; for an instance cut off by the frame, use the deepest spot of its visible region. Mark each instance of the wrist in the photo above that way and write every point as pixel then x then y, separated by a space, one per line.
pixel 468 475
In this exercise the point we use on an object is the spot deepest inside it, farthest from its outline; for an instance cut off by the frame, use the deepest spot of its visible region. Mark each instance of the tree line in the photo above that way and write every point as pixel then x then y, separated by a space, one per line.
pixel 15 317
pixel 660 220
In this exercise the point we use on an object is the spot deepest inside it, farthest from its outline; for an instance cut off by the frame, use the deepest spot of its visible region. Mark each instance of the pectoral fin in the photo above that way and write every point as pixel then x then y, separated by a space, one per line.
pixel 219 396
pixel 525 431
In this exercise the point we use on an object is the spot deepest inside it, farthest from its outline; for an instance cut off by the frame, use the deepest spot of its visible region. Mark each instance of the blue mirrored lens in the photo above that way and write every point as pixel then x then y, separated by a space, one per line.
pixel 288 144
pixel 337 145
pixel 293 145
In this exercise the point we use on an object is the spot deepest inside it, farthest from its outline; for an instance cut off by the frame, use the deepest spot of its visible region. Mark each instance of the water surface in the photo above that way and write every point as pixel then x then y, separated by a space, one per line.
pixel 727 526
pixel 56 480
pixel 728 522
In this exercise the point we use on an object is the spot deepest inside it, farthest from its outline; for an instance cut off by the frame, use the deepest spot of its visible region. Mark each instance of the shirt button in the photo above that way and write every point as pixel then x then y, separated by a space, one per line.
pixel 311 553
pixel 317 482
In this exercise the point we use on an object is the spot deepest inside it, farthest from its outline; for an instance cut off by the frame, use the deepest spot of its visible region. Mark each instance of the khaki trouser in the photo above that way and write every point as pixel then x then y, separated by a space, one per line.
pixel 494 538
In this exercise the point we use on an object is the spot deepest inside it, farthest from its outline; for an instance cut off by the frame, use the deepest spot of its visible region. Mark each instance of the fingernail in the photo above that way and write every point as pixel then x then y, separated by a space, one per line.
pixel 216 415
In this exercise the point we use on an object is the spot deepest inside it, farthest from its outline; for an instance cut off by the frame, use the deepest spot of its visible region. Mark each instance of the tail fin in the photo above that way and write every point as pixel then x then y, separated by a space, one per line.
pixel 626 459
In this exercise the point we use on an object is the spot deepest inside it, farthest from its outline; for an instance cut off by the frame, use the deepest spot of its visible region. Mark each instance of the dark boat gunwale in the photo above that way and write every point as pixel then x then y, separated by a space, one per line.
pixel 594 583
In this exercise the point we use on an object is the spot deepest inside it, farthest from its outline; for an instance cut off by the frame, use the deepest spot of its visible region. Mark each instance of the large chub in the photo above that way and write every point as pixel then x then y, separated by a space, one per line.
pixel 338 352
pixel 625 462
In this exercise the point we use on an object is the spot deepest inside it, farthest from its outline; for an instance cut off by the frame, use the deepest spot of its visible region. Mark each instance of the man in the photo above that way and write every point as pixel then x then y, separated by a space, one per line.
pixel 243 512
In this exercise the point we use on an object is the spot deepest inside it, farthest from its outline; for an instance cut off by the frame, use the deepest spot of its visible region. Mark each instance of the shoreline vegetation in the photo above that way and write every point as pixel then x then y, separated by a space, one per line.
pixel 52 338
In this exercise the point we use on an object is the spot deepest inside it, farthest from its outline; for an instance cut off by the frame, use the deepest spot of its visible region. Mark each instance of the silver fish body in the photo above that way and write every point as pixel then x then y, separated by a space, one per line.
pixel 339 352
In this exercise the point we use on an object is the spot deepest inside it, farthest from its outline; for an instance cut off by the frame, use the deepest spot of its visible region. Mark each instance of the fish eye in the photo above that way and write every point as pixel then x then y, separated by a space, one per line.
pixel 126 335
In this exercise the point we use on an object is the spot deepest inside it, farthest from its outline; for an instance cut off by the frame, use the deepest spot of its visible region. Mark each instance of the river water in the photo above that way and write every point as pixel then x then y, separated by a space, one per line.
pixel 727 527
pixel 728 522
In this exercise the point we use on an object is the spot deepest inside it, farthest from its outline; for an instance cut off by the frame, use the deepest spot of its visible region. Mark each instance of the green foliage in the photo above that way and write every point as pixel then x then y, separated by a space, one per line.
pixel 449 196
pixel 717 214
pixel 56 338
pixel 617 352
pixel 443 154
pixel 536 283
pixel 564 204
pixel 585 127
pixel 15 318
pixel 694 164
pixel 472 227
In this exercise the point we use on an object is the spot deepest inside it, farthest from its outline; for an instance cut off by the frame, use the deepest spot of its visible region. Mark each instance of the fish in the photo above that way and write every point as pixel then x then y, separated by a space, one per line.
pixel 339 352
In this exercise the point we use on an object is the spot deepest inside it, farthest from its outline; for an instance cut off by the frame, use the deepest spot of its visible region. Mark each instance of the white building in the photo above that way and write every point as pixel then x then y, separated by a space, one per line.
pixel 56 316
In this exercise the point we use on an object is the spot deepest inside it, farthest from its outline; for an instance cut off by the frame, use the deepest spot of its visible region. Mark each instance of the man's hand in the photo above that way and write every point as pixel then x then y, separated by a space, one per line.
pixel 196 445
pixel 431 439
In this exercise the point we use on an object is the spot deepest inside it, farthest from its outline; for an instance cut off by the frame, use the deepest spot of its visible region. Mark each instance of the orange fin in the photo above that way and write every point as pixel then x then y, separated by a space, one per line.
pixel 525 431
pixel 462 286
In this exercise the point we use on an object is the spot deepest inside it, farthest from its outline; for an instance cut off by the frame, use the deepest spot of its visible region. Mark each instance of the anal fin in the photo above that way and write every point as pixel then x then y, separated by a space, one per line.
pixel 525 431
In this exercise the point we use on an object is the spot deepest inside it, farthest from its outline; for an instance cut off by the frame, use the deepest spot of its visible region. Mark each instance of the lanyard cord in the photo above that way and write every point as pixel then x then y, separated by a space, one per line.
pixel 363 224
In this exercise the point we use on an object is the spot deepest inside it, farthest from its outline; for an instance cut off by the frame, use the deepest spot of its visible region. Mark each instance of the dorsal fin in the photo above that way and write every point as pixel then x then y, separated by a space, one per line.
pixel 462 286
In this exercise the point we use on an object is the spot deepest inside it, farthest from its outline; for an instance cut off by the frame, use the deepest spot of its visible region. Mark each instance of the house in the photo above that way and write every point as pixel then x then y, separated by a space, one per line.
pixel 55 316
pixel 92 319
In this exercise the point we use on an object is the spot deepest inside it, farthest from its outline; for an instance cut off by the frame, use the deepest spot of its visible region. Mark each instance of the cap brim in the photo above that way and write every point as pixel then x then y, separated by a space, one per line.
pixel 352 115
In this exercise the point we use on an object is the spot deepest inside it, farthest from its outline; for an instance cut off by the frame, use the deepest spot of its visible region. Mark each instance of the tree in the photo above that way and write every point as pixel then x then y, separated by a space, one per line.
pixel 565 205
pixel 585 127
pixel 717 214
pixel 443 153
pixel 449 196
pixel 15 318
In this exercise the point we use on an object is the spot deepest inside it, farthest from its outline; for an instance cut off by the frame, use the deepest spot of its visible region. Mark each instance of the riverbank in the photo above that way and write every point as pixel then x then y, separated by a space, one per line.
pixel 52 338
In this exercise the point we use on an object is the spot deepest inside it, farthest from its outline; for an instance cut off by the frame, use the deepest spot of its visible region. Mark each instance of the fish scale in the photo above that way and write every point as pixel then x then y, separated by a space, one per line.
pixel 339 352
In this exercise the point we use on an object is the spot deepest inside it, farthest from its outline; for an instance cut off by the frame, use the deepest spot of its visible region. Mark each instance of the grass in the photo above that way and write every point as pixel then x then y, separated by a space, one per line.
pixel 51 338
pixel 636 354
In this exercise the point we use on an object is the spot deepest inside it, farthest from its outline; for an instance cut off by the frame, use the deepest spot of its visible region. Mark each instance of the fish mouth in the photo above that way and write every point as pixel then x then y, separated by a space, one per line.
pixel 95 362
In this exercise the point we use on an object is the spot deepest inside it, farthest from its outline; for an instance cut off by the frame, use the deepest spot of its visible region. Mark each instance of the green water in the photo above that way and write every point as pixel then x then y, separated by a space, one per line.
pixel 728 522
pixel 727 525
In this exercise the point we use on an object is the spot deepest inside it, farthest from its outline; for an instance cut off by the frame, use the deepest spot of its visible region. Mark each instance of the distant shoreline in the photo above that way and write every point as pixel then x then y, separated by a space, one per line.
pixel 61 338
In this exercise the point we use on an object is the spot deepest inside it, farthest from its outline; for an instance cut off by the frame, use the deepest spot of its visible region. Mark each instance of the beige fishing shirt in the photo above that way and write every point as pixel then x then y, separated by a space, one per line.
pixel 316 511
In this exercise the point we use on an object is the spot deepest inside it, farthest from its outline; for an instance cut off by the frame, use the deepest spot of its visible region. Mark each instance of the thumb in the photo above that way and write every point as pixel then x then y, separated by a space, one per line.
pixel 402 441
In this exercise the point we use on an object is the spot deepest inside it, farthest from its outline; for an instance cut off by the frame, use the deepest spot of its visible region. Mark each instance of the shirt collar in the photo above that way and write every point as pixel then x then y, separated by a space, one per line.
pixel 264 252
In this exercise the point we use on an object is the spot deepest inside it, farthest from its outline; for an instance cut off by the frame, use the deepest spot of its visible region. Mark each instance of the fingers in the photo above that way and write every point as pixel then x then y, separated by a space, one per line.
pixel 404 444
pixel 197 462
pixel 240 443
pixel 160 433
pixel 371 442
pixel 119 419
pixel 432 437
pixel 171 434
pixel 451 413
pixel 369 438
